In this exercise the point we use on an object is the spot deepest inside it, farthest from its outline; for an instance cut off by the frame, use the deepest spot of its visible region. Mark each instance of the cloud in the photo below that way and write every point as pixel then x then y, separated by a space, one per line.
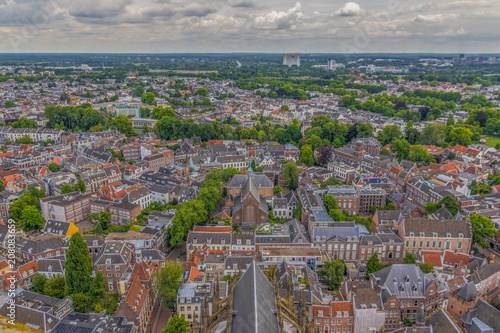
pixel 435 18
pixel 451 33
pixel 279 20
pixel 349 9
pixel 98 8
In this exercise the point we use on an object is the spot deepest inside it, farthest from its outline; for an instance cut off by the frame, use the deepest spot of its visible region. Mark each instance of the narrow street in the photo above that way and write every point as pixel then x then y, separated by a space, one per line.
pixel 161 315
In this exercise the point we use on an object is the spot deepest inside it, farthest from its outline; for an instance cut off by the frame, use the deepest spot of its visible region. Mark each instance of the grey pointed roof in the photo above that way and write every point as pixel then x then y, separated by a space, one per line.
pixel 254 303
pixel 442 323
pixel 468 292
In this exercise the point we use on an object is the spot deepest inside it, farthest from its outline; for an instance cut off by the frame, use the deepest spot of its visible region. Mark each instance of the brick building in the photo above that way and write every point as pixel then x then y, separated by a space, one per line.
pixel 67 207
pixel 427 234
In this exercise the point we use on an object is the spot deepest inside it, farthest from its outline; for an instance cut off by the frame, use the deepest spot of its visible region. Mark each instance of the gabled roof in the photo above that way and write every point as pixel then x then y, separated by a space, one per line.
pixel 254 304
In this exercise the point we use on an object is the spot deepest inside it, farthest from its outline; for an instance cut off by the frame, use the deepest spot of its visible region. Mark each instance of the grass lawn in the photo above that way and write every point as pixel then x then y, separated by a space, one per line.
pixel 491 141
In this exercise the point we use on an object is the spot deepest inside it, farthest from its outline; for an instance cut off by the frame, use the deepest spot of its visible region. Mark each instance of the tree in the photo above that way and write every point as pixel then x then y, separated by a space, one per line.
pixel 332 181
pixel 176 324
pixel 314 141
pixel 278 189
pixel 201 91
pixel 324 152
pixel 24 123
pixel 145 128
pixel 330 202
pixel 2 187
pixel 409 258
pixel 285 107
pixel 103 217
pixel 460 135
pixel 373 264
pixel 66 188
pixel 420 154
pixel 53 167
pixel 373 209
pixel 168 281
pixel 80 302
pixel 253 165
pixel 482 228
pixel 450 204
pixel 80 185
pixel 148 98
pixel 291 172
pixel 364 130
pixel 38 281
pixel 450 121
pixel 32 218
pixel 55 287
pixel 25 140
pixel 389 133
pixel 97 288
pixel 9 104
pixel 78 265
pixel 401 148
pixel 307 155
pixel 160 112
pixel 333 273
pixel 426 268
pixel 480 189
pixel 124 125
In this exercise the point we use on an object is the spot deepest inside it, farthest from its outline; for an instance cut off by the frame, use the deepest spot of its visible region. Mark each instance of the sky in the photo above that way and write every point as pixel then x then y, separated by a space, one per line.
pixel 275 26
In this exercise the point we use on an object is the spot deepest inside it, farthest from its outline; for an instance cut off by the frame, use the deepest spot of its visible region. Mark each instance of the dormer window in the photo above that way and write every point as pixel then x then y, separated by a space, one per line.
pixel 412 234
pixel 448 235
pixel 422 234
pixel 434 234
pixel 209 241
pixel 460 235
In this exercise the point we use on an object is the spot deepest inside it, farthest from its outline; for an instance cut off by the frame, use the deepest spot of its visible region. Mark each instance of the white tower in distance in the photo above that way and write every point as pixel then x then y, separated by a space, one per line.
pixel 290 59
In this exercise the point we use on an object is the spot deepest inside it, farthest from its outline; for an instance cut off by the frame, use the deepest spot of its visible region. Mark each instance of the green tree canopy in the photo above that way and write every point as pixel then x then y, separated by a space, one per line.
pixel 330 202
pixel 307 155
pixel 482 228
pixel 32 218
pixel 291 172
pixel 55 287
pixel 168 281
pixel 409 258
pixel 176 324
pixel 78 266
pixel 333 274
pixel 54 167
pixel 124 126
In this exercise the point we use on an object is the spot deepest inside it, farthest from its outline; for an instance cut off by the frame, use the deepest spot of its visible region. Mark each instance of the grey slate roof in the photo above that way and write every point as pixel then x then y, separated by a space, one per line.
pixel 442 323
pixel 469 292
pixel 254 303
pixel 482 318
pixel 403 281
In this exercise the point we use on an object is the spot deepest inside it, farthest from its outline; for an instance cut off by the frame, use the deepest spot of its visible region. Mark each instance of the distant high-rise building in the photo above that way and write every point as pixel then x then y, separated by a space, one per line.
pixel 291 59
pixel 330 65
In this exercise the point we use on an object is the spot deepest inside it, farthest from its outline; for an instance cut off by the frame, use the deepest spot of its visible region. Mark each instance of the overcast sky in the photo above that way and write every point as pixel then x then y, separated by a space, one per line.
pixel 470 26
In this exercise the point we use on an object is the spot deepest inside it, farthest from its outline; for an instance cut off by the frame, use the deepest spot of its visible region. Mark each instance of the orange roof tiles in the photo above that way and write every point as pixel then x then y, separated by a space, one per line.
pixel 451 258
pixel 342 306
pixel 432 258
pixel 194 273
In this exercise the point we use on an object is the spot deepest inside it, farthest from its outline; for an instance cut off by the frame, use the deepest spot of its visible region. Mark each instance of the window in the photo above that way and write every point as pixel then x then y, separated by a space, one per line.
pixel 459 245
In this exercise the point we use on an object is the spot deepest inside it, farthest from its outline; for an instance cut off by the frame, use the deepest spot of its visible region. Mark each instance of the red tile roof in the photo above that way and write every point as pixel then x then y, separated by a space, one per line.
pixel 451 258
pixel 432 258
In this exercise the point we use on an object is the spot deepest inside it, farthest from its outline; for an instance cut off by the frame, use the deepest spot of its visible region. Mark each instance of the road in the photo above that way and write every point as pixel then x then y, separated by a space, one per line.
pixel 161 315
